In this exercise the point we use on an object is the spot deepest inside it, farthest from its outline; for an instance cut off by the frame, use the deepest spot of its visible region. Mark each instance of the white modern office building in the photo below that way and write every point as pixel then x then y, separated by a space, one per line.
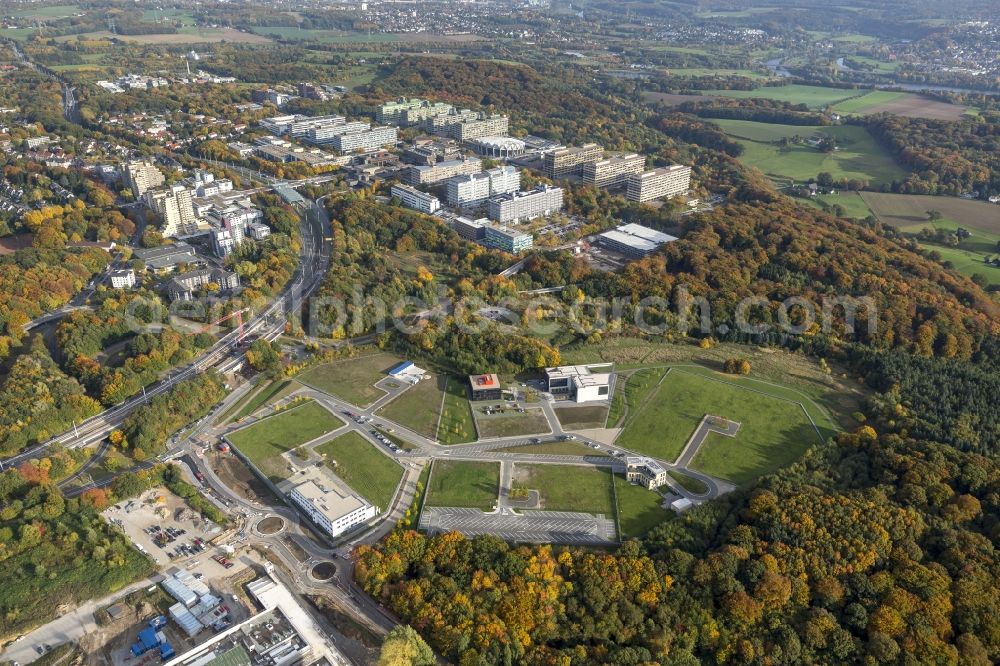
pixel 328 502
pixel 634 240
pixel 581 383
pixel 414 198
pixel 298 126
pixel 662 183
pixel 613 171
pixel 326 134
pixel 475 189
pixel 371 139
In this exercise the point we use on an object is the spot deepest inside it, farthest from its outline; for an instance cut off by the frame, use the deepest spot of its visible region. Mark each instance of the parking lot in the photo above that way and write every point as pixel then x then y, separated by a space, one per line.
pixel 165 528
pixel 527 526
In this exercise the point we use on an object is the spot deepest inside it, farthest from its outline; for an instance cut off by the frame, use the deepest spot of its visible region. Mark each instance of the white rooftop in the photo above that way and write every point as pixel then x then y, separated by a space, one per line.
pixel 582 375
pixel 324 491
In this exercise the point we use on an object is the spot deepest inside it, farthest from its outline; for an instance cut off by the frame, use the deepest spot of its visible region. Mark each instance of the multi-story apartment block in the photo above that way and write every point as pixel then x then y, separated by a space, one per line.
pixel 414 198
pixel 376 137
pixel 521 206
pixel 297 126
pixel 662 183
pixel 569 161
pixel 175 206
pixel 441 171
pixel 475 189
pixel 142 177
pixel 476 128
pixel 508 240
pixel 123 278
pixel 183 286
pixel 327 133
pixel 613 171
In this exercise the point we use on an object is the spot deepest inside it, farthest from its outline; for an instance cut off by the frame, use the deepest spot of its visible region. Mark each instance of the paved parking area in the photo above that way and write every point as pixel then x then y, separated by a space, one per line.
pixel 525 526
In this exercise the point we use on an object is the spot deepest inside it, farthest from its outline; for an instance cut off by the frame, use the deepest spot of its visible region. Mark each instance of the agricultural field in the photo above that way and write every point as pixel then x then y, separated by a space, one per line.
pixel 901 104
pixel 457 424
pixel 352 380
pixel 265 441
pixel 908 212
pixel 774 430
pixel 419 407
pixel 363 467
pixel 569 488
pixel 511 423
pixel 639 509
pixel 293 33
pixel 186 35
pixel 851 203
pixel 857 156
pixel 474 485
pixel 815 97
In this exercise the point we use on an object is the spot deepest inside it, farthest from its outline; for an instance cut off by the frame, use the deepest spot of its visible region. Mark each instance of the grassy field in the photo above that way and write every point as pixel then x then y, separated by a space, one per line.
pixel 631 392
pixel 457 425
pixel 851 202
pixel 901 104
pixel 361 466
pixel 265 441
pixel 569 488
pixel 639 510
pixel 352 380
pixel 419 406
pixel 259 397
pixel 688 482
pixel 567 448
pixel 816 97
pixel 186 35
pixel 867 101
pixel 773 431
pixel 858 156
pixel 512 424
pixel 474 485
pixel 581 418
pixel 290 33
pixel 908 212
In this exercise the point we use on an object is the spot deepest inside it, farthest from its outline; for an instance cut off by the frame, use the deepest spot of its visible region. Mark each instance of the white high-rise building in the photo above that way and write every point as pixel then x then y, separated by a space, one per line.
pixel 662 183
pixel 522 206
pixel 174 205
pixel 475 189
pixel 142 177
pixel 414 198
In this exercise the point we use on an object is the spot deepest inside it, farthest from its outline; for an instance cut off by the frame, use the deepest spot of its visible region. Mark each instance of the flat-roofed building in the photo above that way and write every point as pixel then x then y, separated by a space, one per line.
pixel 123 278
pixel 142 177
pixel 165 258
pixel 516 207
pixel 634 240
pixel 438 124
pixel 414 198
pixel 469 229
pixel 485 387
pixel 376 137
pixel 328 502
pixel 613 171
pixel 441 171
pixel 324 135
pixel 298 126
pixel 415 116
pixel 581 383
pixel 569 161
pixel 481 126
pixel 475 189
pixel 663 183
pixel 176 207
pixel 405 112
pixel 645 471
pixel 508 240
pixel 183 287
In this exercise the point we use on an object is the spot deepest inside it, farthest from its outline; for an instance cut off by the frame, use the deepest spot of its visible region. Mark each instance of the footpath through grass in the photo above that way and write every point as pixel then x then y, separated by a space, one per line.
pixel 773 431
pixel 569 488
pixel 361 466
pixel 265 441
pixel 474 485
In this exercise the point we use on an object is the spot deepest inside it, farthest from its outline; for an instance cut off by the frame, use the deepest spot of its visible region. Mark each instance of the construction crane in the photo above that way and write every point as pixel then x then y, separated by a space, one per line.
pixel 238 315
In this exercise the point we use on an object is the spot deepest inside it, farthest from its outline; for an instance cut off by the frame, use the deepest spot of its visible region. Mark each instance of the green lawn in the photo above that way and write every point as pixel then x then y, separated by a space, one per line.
pixel 457 426
pixel 858 156
pixel 868 101
pixel 639 509
pixel 474 485
pixel 581 418
pixel 688 482
pixel 418 407
pixel 364 468
pixel 773 432
pixel 966 262
pixel 633 393
pixel 512 423
pixel 811 96
pixel 352 379
pixel 569 488
pixel 265 441
pixel 259 397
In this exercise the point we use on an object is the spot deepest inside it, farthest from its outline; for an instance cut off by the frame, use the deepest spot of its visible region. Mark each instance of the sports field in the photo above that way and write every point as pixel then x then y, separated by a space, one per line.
pixel 352 379
pixel 363 467
pixel 265 441
pixel 773 431
pixel 474 485
pixel 857 155
pixel 419 406
pixel 568 487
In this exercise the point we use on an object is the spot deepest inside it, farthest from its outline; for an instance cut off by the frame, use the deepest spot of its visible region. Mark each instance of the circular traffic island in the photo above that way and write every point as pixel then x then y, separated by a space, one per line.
pixel 271 525
pixel 324 571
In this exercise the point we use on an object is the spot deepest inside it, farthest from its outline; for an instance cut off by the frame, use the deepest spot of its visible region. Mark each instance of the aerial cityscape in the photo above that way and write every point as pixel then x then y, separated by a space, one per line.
pixel 499 332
